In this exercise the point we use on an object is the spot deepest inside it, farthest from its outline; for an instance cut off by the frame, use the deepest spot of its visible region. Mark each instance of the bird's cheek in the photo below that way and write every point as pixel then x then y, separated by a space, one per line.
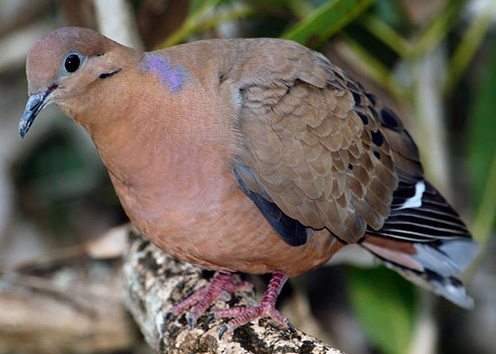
pixel 66 108
pixel 67 101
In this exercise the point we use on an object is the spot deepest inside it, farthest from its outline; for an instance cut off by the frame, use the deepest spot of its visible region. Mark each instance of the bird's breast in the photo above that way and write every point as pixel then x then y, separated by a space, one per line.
pixel 213 224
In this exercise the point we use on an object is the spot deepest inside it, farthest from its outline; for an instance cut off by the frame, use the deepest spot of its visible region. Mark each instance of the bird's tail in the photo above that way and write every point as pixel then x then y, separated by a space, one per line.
pixel 430 265
pixel 424 240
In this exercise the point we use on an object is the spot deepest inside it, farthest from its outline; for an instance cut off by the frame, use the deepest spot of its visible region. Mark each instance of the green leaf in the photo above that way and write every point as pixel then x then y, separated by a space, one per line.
pixel 384 304
pixel 483 125
pixel 326 21
pixel 482 147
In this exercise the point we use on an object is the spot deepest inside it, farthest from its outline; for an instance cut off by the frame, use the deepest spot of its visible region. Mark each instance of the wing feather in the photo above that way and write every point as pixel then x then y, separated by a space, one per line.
pixel 318 151
pixel 306 141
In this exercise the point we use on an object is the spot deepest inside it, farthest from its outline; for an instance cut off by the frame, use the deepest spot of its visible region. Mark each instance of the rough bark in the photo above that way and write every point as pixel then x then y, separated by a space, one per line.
pixel 154 282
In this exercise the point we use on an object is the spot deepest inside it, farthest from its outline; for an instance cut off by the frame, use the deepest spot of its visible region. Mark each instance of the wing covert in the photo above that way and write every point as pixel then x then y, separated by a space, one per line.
pixel 311 143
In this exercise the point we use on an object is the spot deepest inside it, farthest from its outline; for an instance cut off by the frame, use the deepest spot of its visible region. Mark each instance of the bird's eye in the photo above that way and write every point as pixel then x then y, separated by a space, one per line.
pixel 72 62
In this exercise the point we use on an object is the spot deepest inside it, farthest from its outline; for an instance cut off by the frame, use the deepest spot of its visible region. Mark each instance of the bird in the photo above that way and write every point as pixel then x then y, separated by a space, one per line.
pixel 253 156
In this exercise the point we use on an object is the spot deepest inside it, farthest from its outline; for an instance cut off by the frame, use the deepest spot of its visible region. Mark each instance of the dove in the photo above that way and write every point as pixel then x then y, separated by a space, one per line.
pixel 251 155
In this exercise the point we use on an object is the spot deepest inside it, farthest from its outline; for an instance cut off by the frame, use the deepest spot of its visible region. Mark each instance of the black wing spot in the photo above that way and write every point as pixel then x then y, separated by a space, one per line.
pixel 371 97
pixel 389 119
pixel 356 98
pixel 377 138
pixel 352 86
pixel 290 230
pixel 363 117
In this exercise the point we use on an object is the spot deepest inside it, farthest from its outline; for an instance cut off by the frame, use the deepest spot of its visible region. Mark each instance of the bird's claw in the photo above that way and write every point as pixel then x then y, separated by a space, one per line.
pixel 191 321
pixel 222 331
pixel 290 326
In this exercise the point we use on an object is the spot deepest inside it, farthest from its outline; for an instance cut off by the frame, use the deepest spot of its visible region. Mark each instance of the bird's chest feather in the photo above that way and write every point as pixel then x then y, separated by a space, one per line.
pixel 210 222
pixel 169 160
pixel 172 195
pixel 198 218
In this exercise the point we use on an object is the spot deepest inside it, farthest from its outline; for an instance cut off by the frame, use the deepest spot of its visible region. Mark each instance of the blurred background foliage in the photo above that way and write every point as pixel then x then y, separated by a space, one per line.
pixel 432 61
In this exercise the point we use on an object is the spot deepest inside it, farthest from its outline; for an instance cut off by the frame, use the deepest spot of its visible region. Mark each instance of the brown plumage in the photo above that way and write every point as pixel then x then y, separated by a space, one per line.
pixel 251 155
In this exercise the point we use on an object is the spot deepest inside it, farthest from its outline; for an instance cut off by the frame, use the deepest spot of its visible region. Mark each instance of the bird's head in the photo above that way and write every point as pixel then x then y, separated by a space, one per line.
pixel 64 66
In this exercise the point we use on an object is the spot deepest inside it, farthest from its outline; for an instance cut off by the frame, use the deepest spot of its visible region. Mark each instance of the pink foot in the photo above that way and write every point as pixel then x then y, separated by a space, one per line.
pixel 221 287
pixel 266 307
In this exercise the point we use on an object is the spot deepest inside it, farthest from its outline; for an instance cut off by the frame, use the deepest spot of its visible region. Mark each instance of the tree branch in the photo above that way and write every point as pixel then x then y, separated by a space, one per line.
pixel 154 282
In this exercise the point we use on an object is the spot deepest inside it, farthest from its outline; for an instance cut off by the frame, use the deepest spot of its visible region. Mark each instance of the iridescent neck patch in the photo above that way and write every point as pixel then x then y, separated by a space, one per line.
pixel 173 77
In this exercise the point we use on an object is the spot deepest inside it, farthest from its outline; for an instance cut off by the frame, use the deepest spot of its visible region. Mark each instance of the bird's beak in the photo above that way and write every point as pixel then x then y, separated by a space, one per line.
pixel 35 104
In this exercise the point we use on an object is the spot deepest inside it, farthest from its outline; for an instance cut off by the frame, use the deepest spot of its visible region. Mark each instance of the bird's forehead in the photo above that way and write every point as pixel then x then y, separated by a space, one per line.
pixel 45 58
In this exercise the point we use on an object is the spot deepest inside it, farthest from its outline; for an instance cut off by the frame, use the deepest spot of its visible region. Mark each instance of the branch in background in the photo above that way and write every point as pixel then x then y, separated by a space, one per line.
pixel 116 20
pixel 68 304
pixel 16 15
pixel 428 74
pixel 154 282
pixel 15 47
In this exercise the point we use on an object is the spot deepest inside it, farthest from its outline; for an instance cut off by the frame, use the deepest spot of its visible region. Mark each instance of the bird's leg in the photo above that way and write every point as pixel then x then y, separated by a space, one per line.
pixel 220 287
pixel 266 307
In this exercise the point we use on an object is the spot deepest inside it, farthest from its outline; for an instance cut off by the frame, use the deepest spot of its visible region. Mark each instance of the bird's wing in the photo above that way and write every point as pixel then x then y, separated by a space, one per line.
pixel 314 151
pixel 318 150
